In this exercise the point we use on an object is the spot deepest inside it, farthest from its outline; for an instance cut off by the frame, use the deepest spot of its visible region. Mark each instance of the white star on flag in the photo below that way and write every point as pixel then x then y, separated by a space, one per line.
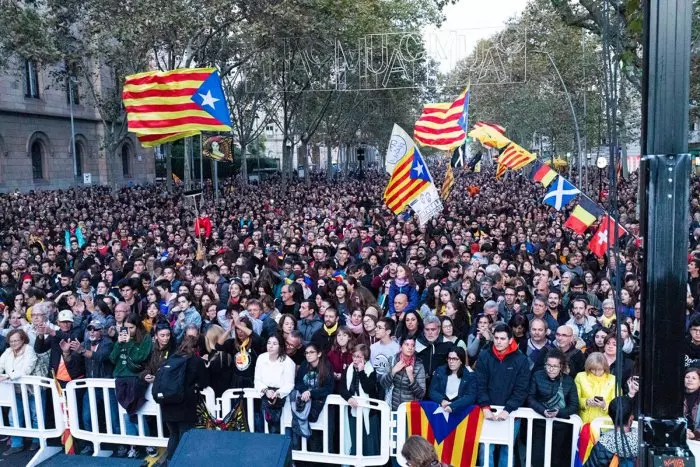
pixel 208 99
pixel 441 410
pixel 419 170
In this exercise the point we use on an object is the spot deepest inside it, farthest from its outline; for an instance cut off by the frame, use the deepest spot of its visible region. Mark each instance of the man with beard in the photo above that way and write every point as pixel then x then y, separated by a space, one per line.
pixel 581 323
pixel 324 337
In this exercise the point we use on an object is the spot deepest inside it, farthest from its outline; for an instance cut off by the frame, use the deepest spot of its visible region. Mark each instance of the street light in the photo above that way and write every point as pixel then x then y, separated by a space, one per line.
pixel 571 106
pixel 601 163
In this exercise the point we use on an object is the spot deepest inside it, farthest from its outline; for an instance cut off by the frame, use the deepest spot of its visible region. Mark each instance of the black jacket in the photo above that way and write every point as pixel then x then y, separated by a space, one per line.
pixel 196 378
pixel 322 340
pixel 433 355
pixel 76 364
pixel 99 365
pixel 504 382
pixel 542 389
pixel 467 389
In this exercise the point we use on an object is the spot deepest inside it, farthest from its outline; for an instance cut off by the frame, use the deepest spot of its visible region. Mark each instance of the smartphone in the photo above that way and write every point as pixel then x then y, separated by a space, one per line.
pixel 598 398
pixel 123 330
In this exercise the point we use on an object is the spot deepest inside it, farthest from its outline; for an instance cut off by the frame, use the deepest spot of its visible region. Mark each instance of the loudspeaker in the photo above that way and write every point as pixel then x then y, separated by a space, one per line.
pixel 210 447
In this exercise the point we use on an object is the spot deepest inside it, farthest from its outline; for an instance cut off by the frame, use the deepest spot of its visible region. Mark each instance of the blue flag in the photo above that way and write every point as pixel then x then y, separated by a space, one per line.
pixel 560 193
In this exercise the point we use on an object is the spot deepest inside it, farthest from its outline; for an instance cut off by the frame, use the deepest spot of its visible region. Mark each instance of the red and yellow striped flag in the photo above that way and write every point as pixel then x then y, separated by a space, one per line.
pixel 448 183
pixel 455 436
pixel 443 125
pixel 408 180
pixel 169 105
pixel 515 157
pixel 501 170
pixel 66 436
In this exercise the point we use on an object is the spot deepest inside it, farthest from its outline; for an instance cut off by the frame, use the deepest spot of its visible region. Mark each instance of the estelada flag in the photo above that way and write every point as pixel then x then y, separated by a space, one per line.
pixel 409 179
pixel 605 236
pixel 455 435
pixel 584 215
pixel 448 183
pixel 515 157
pixel 169 105
pixel 443 125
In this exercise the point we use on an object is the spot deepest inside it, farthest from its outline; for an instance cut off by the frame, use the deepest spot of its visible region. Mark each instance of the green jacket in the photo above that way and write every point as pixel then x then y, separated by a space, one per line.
pixel 137 353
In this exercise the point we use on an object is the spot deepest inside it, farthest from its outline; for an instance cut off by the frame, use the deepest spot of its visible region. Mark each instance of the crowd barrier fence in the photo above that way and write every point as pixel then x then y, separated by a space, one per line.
pixel 18 397
pixel 30 394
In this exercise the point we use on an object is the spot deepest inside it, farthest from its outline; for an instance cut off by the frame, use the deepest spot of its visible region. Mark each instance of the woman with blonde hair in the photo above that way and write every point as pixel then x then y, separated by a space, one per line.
pixel 595 387
pixel 220 365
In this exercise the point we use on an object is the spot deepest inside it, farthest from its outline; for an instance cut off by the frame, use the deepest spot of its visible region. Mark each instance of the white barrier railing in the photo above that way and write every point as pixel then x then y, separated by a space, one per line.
pixel 323 425
pixel 494 434
pixel 103 405
pixel 31 393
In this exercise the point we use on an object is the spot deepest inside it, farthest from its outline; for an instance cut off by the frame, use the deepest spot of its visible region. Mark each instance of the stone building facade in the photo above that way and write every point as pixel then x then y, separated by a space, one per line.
pixel 35 133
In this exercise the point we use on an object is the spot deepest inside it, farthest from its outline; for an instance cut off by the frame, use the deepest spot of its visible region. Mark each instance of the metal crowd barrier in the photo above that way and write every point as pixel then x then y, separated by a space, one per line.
pixel 32 393
pixel 335 409
pixel 99 435
pixel 495 433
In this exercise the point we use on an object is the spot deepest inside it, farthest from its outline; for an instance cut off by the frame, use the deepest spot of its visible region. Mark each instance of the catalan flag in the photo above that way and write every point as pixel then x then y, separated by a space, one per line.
pixel 448 183
pixel 501 171
pixel 443 125
pixel 489 134
pixel 408 180
pixel 174 104
pixel 542 173
pixel 66 436
pixel 515 157
pixel 454 435
pixel 151 141
pixel 584 215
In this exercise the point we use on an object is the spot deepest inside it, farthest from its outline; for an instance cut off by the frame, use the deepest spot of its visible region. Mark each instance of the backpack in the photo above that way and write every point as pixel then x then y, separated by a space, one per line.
pixel 169 384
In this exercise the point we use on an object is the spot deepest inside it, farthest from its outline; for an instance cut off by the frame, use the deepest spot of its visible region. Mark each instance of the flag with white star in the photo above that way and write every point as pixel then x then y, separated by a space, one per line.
pixel 166 106
pixel 409 179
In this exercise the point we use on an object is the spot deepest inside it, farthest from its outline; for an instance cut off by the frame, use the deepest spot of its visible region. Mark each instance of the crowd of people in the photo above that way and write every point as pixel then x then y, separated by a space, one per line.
pixel 321 290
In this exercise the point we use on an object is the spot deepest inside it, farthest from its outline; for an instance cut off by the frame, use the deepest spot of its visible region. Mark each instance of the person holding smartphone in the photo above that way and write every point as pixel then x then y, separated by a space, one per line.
pixel 595 387
pixel 553 395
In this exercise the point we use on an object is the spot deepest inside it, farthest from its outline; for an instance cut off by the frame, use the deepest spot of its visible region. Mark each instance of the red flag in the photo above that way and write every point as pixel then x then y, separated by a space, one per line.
pixel 605 236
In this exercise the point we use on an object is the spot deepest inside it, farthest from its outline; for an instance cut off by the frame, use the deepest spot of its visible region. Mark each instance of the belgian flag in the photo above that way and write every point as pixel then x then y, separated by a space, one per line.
pixel 584 215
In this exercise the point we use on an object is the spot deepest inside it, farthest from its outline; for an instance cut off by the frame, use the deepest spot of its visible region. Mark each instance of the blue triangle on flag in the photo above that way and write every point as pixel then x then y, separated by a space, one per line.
pixel 560 193
pixel 419 171
pixel 210 97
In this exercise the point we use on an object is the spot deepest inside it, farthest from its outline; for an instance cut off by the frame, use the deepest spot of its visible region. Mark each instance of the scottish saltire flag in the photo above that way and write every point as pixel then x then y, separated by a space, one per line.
pixel 165 106
pixel 455 435
pixel 560 193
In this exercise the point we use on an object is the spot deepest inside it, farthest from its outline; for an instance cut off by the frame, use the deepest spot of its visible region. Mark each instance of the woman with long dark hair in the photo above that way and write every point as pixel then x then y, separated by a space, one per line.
pixel 129 356
pixel 410 326
pixel 313 384
pixel 180 418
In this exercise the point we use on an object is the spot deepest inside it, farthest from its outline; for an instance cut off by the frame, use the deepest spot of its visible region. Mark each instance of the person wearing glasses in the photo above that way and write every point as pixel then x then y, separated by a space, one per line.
pixel 564 341
pixel 312 385
pixel 553 395
pixel 454 385
pixel 596 388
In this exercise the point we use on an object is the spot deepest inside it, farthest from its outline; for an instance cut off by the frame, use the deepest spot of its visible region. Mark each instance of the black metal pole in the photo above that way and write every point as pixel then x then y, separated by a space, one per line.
pixel 664 179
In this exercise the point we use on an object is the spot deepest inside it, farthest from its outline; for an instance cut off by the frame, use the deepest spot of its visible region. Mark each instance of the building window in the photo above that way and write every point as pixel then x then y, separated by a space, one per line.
pixel 79 151
pixel 126 169
pixel 37 160
pixel 31 79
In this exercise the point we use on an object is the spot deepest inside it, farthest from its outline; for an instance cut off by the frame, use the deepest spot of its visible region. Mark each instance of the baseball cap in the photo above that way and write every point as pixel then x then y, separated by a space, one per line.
pixel 65 315
pixel 94 324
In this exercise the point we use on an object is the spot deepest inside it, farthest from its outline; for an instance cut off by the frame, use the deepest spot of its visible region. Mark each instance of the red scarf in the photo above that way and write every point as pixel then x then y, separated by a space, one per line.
pixel 512 347
pixel 408 361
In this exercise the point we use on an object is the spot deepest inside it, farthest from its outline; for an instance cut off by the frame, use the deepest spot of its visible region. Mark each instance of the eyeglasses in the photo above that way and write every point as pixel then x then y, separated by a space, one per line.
pixel 310 352
pixel 453 359
pixel 552 367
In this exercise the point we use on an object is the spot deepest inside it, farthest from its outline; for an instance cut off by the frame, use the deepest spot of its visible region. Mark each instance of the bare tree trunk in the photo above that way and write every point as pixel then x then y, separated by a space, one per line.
pixel 307 179
pixel 329 162
pixel 244 163
pixel 169 167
